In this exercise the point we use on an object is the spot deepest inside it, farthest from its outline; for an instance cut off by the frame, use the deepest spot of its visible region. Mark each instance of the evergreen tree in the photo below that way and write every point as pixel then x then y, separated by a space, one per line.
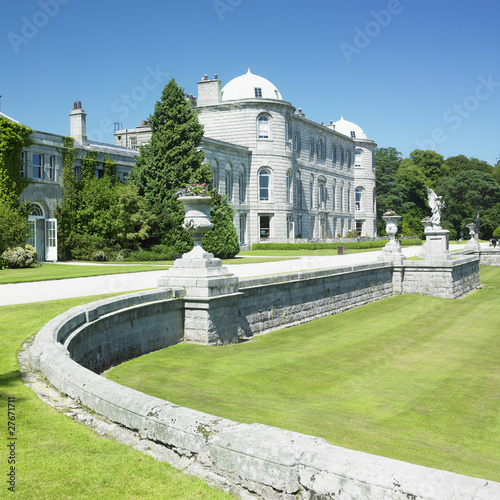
pixel 171 161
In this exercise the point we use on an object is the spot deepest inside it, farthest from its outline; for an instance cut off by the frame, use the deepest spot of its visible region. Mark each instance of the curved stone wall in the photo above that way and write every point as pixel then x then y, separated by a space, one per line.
pixel 269 462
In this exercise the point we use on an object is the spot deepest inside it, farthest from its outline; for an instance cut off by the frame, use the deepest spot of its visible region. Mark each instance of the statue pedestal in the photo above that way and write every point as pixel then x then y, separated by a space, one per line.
pixel 211 300
pixel 437 246
pixel 392 250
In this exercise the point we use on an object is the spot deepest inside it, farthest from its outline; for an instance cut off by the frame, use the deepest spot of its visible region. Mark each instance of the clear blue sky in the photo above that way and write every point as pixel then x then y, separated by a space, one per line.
pixel 412 73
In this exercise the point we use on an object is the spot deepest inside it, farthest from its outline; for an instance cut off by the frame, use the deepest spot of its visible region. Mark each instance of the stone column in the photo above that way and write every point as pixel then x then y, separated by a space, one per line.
pixel 212 296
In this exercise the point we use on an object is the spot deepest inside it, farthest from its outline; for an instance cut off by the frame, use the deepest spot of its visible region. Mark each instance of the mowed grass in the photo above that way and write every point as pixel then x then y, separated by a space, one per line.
pixel 410 377
pixel 59 458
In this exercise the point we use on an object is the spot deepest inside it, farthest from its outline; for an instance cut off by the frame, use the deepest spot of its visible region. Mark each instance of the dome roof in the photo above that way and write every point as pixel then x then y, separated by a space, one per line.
pixel 247 87
pixel 350 129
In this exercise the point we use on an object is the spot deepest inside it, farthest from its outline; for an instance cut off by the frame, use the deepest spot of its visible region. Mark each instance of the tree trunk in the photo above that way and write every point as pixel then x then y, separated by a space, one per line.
pixel 478 211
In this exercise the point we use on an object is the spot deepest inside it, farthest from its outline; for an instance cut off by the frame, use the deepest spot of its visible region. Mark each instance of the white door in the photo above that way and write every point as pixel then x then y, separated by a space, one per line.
pixel 51 239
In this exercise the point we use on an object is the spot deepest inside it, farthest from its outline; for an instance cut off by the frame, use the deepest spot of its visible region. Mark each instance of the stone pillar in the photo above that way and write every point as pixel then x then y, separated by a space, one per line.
pixel 437 247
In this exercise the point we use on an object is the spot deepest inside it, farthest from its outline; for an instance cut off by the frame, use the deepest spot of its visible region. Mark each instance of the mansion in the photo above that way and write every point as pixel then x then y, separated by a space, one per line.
pixel 286 176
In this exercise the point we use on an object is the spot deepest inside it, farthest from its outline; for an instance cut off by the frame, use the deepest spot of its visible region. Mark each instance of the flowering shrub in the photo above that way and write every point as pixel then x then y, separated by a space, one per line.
pixel 389 213
pixel 16 258
pixel 194 190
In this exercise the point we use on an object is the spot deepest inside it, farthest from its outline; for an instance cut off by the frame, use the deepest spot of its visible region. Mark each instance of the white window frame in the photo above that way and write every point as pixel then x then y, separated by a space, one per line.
pixel 39 167
pixel 52 168
pixel 264 173
pixel 263 127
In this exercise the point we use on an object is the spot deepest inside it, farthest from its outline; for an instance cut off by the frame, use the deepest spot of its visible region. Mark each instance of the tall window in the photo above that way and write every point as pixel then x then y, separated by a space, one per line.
pixel 52 167
pixel 264 184
pixel 263 127
pixel 37 166
pixel 334 155
pixel 215 175
pixel 133 143
pixel 311 192
pixel 288 130
pixel 311 149
pixel 359 199
pixel 243 228
pixel 322 194
pixel 358 155
pixel 349 198
pixel 348 160
pixel 289 186
pixel 333 196
pixel 297 145
pixel 298 187
pixel 265 226
pixel 341 196
pixel 341 158
pixel 229 184
pixel 242 185
pixel 321 149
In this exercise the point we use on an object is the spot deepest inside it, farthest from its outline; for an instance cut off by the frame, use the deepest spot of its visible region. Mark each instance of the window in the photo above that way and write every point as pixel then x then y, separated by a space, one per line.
pixel 264 184
pixel 263 127
pixel 349 198
pixel 242 185
pixel 296 145
pixel 353 134
pixel 333 197
pixel 123 176
pixel 358 155
pixel 258 91
pixel 311 149
pixel 264 226
pixel 289 187
pixel 299 226
pixel 313 223
pixel 298 185
pixel 229 182
pixel 341 158
pixel 289 226
pixel 288 130
pixel 334 155
pixel 321 149
pixel 359 227
pixel 341 196
pixel 311 192
pixel 359 199
pixel 215 175
pixel 24 159
pixel 243 228
pixel 52 167
pixel 51 233
pixel 133 143
pixel 322 194
pixel 37 166
pixel 78 174
pixel 348 160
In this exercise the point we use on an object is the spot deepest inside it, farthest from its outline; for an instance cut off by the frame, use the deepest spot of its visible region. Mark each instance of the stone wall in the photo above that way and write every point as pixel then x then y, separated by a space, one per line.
pixel 256 461
pixel 279 301
pixel 451 279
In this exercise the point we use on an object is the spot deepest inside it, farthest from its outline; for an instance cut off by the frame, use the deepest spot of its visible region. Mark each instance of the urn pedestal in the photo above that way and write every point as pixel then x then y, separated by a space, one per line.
pixel 211 291
pixel 392 249
pixel 472 244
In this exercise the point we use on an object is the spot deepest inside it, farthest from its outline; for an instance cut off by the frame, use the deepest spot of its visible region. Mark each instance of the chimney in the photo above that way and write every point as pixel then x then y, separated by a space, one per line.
pixel 78 124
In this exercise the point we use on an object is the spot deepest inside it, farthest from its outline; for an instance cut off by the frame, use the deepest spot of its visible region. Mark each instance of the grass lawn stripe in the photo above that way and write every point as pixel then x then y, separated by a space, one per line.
pixel 410 377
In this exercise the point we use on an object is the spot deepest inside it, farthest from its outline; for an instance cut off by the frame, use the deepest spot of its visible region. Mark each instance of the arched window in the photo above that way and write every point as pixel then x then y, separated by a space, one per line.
pixel 229 181
pixel 298 187
pixel 264 185
pixel 289 186
pixel 263 127
pixel 311 191
pixel 322 192
pixel 242 184
pixel 288 130
pixel 358 156
pixel 333 195
pixel 215 174
pixel 359 199
pixel 36 210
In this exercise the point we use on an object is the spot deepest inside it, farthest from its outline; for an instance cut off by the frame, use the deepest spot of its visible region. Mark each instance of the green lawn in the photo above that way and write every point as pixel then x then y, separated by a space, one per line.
pixel 58 458
pixel 410 377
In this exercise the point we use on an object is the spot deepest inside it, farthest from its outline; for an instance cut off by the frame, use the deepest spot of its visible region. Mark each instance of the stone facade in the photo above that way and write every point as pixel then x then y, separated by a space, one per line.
pixel 286 176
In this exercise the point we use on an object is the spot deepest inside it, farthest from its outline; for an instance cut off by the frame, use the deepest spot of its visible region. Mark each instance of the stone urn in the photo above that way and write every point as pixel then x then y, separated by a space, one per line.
pixel 472 244
pixel 392 250
pixel 197 222
pixel 427 225
pixel 391 225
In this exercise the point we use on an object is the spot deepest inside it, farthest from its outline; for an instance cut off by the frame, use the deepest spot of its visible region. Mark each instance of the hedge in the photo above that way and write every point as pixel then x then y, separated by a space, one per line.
pixel 355 245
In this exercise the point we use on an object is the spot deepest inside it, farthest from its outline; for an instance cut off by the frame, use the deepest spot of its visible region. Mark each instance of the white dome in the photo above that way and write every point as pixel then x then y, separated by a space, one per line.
pixel 350 129
pixel 247 87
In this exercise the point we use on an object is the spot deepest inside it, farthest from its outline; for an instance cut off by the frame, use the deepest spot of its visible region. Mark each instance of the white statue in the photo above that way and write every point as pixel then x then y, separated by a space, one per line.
pixel 436 204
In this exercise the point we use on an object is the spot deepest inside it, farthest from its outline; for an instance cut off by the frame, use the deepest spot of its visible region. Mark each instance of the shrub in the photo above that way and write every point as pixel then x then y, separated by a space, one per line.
pixel 355 245
pixel 13 227
pixel 17 258
pixel 496 233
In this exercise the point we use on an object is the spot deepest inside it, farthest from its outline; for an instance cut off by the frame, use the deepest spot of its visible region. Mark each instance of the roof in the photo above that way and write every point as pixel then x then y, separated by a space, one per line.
pixel 246 87
pixel 9 118
pixel 349 129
